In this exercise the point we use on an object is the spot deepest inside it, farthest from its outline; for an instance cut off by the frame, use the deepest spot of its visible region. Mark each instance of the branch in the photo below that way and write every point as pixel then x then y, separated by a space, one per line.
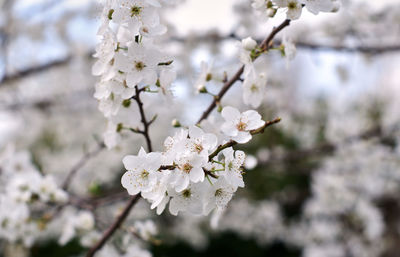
pixel 35 69
pixel 253 132
pixel 215 37
pixel 117 223
pixel 86 157
pixel 265 45
pixel 146 124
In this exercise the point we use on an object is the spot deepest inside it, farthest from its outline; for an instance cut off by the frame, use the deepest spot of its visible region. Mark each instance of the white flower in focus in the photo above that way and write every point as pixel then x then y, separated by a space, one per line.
pixel 189 200
pixel 134 14
pixel 218 195
pixel 238 125
pixel 201 143
pixel 142 171
pixel 139 64
pixel 158 194
pixel 189 168
pixel 294 8
pixel 233 166
pixel 254 88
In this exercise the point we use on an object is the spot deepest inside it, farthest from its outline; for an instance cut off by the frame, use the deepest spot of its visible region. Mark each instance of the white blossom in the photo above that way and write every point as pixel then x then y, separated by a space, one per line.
pixel 238 125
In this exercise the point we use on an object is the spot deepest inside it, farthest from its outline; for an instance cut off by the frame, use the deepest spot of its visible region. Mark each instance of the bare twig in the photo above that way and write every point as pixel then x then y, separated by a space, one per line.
pixel 111 230
pixel 146 124
pixel 265 45
pixel 120 219
pixel 86 157
pixel 253 132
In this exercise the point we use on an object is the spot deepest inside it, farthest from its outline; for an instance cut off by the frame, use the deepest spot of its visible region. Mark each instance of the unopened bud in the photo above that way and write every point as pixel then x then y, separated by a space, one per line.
pixel 175 123
pixel 202 89
pixel 249 43
pixel 120 126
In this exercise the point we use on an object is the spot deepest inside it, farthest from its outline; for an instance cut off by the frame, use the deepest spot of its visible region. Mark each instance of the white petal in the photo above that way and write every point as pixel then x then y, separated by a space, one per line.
pixel 230 114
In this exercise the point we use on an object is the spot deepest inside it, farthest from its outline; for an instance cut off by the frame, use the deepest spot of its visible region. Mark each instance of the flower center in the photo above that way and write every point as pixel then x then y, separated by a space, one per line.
pixel 144 174
pixel 198 148
pixel 254 88
pixel 186 193
pixel 292 5
pixel 241 126
pixel 139 65
pixel 135 10
pixel 187 168
pixel 218 192
pixel 145 30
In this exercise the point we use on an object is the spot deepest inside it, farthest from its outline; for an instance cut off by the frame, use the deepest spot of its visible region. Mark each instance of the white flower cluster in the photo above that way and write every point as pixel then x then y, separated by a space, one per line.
pixel 81 222
pixel 343 214
pixel 128 59
pixel 178 174
pixel 294 7
pixel 21 188
pixel 254 83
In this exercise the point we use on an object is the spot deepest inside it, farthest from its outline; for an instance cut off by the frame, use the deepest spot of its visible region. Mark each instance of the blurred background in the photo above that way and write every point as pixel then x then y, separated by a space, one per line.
pixel 324 182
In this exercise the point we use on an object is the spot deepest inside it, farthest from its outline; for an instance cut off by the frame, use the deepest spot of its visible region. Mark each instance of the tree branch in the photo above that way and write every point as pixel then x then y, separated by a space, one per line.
pixel 120 219
pixel 146 124
pixel 111 230
pixel 86 157
pixel 265 45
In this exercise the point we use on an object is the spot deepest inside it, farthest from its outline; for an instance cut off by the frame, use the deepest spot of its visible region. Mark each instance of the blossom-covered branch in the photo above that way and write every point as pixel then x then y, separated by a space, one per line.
pixel 264 46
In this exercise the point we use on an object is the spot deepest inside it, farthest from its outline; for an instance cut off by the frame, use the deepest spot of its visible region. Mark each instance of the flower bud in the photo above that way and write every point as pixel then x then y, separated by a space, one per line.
pixel 202 89
pixel 249 43
pixel 175 123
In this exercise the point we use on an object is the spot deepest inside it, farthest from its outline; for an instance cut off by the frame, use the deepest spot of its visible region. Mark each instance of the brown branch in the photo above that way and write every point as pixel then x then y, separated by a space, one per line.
pixel 146 124
pixel 86 157
pixel 372 49
pixel 120 219
pixel 265 45
pixel 253 132
pixel 36 69
pixel 117 223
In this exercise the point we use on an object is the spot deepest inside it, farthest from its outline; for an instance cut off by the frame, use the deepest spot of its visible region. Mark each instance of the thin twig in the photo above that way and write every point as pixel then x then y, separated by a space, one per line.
pixel 232 142
pixel 144 121
pixel 117 223
pixel 86 157
pixel 120 219
pixel 265 45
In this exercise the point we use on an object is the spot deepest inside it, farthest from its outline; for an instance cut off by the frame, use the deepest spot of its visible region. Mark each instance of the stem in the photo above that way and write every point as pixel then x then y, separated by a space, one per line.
pixel 117 223
pixel 144 121
pixel 264 46
pixel 232 142
pixel 80 164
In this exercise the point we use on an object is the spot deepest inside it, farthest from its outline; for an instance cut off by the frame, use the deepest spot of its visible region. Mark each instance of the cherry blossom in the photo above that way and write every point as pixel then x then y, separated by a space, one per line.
pixel 238 125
